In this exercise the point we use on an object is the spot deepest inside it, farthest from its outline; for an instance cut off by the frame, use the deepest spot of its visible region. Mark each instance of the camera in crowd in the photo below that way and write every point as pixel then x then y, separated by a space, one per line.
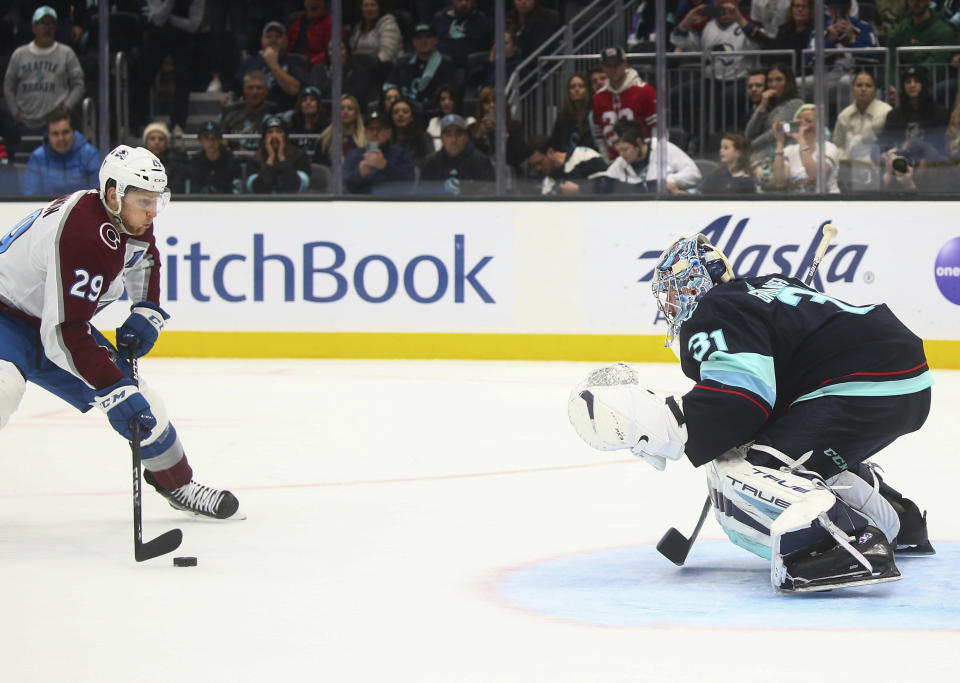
pixel 790 127
pixel 714 12
pixel 901 163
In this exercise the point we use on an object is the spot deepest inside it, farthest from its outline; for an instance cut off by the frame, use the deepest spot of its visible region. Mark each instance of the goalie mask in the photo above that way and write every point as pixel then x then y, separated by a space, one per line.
pixel 683 274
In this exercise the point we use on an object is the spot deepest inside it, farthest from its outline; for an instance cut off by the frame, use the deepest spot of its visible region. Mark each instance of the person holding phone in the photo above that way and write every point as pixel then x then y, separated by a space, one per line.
pixel 717 27
pixel 381 166
pixel 795 167
pixel 779 101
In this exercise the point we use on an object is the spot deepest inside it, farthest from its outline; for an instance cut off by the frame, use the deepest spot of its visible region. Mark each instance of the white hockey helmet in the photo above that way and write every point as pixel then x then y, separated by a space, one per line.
pixel 133 167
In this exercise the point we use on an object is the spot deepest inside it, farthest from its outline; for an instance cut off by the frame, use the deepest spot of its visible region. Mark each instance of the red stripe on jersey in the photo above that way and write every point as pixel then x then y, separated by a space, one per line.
pixel 875 374
pixel 736 393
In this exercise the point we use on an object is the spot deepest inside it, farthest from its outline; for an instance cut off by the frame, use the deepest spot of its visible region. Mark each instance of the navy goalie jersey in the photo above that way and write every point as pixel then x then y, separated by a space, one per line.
pixel 756 346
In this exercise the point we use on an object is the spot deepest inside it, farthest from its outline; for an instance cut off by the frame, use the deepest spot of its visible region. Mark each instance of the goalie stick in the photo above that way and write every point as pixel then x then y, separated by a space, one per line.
pixel 675 546
pixel 166 542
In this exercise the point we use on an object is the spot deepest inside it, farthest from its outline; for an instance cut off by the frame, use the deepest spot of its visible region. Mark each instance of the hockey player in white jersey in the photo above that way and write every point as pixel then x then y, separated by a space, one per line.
pixel 58 267
pixel 794 391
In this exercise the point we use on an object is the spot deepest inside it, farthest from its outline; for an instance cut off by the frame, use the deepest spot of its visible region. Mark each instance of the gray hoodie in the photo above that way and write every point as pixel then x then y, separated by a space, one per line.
pixel 38 80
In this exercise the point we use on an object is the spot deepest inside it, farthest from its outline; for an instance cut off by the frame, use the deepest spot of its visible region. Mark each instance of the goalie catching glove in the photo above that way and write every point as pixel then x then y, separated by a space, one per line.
pixel 610 411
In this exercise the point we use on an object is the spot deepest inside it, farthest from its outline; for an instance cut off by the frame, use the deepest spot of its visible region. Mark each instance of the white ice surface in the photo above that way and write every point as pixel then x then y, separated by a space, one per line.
pixel 384 502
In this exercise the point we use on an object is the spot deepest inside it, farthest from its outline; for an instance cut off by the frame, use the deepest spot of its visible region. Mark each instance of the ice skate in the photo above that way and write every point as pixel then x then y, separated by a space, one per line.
pixel 200 501
pixel 830 565
pixel 912 539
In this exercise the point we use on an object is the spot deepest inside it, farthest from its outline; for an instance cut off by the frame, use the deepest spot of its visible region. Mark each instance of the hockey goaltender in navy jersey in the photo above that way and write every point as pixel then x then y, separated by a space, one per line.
pixel 794 392
pixel 62 264
pixel 761 347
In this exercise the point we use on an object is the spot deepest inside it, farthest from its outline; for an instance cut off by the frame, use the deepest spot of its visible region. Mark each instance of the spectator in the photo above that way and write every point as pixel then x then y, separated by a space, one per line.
pixel 698 31
pixel 307 118
pixel 281 168
pixel 156 138
pixel 841 30
pixel 9 134
pixel 247 116
pixel 952 136
pixel 42 76
pixel 65 162
pixel 448 102
pixel 226 46
pixel 409 133
pixel 626 96
pixel 462 30
pixel 214 170
pixel 756 84
pixel 485 75
pixel 572 172
pixel 351 126
pixel 285 73
pixel 574 124
pixel 921 27
pixel 421 75
pixel 916 115
pixel 918 167
pixel 171 30
pixel 376 34
pixel 598 78
pixel 310 32
pixel 483 130
pixel 637 166
pixel 795 167
pixel 773 14
pixel 388 97
pixel 532 24
pixel 381 167
pixel 733 175
pixel 856 135
pixel 794 33
pixel 459 168
pixel 357 80
pixel 779 102
pixel 889 14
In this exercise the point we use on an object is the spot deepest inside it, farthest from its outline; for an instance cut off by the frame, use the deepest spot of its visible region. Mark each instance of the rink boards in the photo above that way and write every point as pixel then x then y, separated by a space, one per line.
pixel 514 280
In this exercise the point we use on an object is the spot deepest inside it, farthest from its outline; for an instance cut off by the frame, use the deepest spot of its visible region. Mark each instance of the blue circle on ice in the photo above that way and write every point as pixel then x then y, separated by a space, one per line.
pixel 723 586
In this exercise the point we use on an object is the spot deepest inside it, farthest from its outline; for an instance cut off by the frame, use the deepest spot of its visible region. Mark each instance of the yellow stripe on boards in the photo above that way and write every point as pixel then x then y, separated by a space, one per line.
pixel 942 354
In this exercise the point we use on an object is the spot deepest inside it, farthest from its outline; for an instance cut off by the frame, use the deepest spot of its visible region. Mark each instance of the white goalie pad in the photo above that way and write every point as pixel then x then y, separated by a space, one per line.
pixel 776 513
pixel 610 411
pixel 752 504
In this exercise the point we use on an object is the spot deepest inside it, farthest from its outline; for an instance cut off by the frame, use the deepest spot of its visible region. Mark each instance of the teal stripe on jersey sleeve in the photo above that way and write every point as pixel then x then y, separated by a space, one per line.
pixel 896 387
pixel 750 371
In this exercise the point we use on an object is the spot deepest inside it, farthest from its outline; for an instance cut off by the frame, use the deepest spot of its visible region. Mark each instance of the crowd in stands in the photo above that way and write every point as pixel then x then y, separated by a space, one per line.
pixel 418 104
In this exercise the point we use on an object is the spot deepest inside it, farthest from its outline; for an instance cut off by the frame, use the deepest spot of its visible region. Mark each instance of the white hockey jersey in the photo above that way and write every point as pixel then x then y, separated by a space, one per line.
pixel 62 264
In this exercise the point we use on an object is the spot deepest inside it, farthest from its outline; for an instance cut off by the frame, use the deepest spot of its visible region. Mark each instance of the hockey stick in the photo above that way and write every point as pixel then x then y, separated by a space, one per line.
pixel 675 546
pixel 829 231
pixel 166 542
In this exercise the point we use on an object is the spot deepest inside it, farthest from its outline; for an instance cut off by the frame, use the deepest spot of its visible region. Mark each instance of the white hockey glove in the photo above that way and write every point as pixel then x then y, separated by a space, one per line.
pixel 625 416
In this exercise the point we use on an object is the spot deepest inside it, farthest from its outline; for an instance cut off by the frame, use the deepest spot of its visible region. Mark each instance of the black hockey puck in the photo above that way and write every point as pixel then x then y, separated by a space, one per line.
pixel 184 562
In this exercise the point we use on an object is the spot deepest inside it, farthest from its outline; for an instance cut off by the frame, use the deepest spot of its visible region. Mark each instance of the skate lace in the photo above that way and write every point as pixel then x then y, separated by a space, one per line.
pixel 198 497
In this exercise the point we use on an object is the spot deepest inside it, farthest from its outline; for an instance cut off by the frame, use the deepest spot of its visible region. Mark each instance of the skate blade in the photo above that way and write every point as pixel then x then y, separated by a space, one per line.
pixel 921 550
pixel 866 581
pixel 237 516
